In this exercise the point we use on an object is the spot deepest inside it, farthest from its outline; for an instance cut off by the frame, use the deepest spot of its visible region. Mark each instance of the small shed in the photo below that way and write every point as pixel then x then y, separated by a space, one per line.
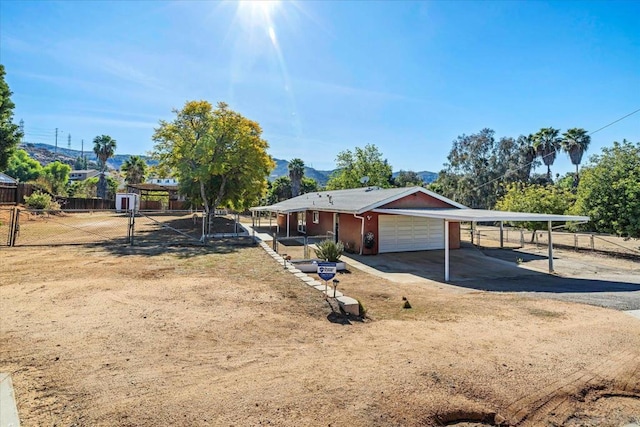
pixel 126 202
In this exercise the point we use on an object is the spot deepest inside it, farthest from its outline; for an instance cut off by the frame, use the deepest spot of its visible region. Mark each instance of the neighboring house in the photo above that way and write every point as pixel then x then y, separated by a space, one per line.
pixel 351 216
pixel 7 181
pixel 82 174
pixel 167 182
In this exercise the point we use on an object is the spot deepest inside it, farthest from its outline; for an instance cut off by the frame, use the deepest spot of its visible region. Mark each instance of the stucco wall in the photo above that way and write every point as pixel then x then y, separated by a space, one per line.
pixel 454 235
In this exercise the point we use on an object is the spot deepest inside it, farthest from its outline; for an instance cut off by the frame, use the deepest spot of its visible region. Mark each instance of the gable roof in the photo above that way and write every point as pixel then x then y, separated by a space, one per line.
pixel 6 179
pixel 353 200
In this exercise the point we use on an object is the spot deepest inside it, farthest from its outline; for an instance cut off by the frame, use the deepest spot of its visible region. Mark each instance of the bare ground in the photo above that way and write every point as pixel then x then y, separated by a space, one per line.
pixel 225 336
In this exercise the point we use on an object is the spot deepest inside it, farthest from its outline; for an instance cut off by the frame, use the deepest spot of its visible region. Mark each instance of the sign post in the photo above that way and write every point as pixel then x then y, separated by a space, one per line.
pixel 327 271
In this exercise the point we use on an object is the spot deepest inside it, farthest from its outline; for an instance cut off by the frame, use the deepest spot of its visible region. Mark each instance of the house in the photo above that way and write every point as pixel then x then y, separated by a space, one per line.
pixel 7 181
pixel 82 174
pixel 352 216
pixel 374 220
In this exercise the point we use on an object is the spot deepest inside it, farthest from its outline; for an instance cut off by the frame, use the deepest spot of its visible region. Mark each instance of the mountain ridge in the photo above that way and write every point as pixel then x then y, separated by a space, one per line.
pixel 46 153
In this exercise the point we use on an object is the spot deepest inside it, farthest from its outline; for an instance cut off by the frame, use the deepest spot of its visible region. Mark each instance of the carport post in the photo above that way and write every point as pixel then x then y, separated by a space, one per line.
pixel 288 218
pixel 446 250
pixel 501 234
pixel 550 249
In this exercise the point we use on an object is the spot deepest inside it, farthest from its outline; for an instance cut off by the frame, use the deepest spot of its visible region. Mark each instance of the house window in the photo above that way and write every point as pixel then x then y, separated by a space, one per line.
pixel 316 217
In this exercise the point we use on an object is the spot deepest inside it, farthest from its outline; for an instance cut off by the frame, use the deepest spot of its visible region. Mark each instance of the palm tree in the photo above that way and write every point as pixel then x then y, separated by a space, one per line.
pixel 546 142
pixel 527 155
pixel 104 146
pixel 296 172
pixel 575 142
pixel 135 169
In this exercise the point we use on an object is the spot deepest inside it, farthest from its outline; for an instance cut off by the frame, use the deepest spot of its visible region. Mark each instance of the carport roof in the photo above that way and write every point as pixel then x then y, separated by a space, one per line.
pixel 480 215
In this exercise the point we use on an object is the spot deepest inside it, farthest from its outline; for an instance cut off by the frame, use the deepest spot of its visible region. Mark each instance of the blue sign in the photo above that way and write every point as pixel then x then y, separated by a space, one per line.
pixel 327 270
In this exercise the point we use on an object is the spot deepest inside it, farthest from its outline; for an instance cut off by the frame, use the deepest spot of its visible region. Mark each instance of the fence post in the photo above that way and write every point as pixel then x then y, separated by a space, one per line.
pixel 593 246
pixel 15 227
pixel 575 242
pixel 521 238
pixel 274 242
pixel 132 226
pixel 306 248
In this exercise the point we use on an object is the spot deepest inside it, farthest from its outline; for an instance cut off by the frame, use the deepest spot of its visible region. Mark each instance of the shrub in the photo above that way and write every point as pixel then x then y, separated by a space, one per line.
pixel 38 200
pixel 329 250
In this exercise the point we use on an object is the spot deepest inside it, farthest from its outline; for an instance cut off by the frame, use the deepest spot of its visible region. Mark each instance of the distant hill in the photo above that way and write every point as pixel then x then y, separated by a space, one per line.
pixel 45 154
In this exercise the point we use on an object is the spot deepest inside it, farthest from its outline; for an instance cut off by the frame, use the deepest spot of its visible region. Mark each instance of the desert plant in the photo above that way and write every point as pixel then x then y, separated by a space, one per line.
pixel 329 250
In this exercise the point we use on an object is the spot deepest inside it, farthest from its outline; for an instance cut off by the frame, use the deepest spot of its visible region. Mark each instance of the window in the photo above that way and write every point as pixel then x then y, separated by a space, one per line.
pixel 302 222
pixel 316 217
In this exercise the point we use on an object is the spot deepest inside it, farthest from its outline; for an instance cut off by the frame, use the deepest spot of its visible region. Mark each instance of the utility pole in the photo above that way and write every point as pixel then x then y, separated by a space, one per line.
pixel 56 150
pixel 82 159
pixel 69 141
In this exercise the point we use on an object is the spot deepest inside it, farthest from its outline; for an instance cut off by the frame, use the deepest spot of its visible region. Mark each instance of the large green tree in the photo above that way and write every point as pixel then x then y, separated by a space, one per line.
pixel 609 190
pixel 296 172
pixel 547 144
pixel 360 168
pixel 549 199
pixel 407 179
pixel 575 142
pixel 479 166
pixel 23 167
pixel 218 156
pixel 135 169
pixel 10 133
pixel 56 174
pixel 104 147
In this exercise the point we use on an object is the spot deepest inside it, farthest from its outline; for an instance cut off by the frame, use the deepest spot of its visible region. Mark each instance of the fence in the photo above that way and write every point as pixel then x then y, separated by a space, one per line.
pixel 28 227
pixel 298 247
pixel 488 236
pixel 13 195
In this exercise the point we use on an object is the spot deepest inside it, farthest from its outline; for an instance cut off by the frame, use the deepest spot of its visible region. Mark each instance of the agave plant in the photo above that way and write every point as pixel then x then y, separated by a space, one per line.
pixel 329 250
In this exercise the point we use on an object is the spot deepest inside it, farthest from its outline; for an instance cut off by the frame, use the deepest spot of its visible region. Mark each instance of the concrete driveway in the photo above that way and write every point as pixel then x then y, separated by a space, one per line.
pixel 579 277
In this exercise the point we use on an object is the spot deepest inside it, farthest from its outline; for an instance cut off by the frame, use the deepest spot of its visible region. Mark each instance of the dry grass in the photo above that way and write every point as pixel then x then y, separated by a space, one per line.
pixel 224 336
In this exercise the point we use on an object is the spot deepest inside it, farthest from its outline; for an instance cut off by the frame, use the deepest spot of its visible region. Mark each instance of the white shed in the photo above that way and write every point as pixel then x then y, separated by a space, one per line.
pixel 126 202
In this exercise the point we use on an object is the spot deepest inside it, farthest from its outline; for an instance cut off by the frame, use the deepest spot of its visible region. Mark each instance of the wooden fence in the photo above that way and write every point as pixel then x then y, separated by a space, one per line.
pixel 13 195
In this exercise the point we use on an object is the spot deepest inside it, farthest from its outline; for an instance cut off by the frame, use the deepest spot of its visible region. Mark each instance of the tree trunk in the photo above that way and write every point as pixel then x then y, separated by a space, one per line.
pixel 102 187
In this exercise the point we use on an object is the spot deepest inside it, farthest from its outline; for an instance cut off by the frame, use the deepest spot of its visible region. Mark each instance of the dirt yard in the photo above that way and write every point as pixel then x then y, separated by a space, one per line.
pixel 224 336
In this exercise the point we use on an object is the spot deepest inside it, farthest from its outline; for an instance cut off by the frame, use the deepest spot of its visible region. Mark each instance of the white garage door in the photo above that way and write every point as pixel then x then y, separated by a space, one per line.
pixel 399 233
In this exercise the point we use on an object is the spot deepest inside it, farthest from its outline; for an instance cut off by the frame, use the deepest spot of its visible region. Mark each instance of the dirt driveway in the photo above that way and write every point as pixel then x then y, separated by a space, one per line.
pixel 579 277
pixel 225 336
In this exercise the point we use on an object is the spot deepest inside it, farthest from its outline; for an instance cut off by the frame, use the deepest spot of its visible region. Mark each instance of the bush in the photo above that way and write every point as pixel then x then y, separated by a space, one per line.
pixel 38 200
pixel 329 250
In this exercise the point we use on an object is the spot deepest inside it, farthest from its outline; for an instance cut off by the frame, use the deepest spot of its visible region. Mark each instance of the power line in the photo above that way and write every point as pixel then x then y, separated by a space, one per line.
pixel 555 151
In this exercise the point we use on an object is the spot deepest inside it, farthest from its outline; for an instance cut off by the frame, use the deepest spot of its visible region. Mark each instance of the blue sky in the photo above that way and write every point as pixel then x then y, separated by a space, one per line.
pixel 324 76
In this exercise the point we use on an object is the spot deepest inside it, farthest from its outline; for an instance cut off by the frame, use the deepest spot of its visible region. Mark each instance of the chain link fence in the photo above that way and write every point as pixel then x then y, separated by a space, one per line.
pixel 489 236
pixel 298 247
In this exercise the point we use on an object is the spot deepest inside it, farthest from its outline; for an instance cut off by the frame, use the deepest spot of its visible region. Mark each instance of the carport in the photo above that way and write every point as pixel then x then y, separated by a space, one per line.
pixel 481 215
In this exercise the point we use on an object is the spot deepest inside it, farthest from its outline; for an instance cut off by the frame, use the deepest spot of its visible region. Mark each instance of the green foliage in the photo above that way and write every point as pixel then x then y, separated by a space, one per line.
pixel 546 142
pixel 407 179
pixel 80 163
pixel 547 199
pixel 105 147
pixel 478 167
pixel 22 167
pixel 575 142
pixel 218 155
pixel 88 188
pixel 280 188
pixel 135 169
pixel 353 166
pixel 39 200
pixel 329 250
pixel 609 190
pixel 56 175
pixel 10 133
pixel 296 173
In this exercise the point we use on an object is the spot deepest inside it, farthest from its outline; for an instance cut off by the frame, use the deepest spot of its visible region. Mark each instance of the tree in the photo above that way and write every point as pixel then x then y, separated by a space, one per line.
pixel 217 155
pixel 549 199
pixel 280 189
pixel 575 142
pixel 352 167
pixel 22 167
pixel 56 174
pixel 104 146
pixel 135 169
pixel 296 172
pixel 407 179
pixel 10 133
pixel 308 185
pixel 609 190
pixel 547 143
pixel 479 166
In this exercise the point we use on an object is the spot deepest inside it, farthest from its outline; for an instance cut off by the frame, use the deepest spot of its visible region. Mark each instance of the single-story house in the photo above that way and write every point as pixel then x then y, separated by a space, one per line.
pixel 372 220
pixel 7 181
pixel 82 174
